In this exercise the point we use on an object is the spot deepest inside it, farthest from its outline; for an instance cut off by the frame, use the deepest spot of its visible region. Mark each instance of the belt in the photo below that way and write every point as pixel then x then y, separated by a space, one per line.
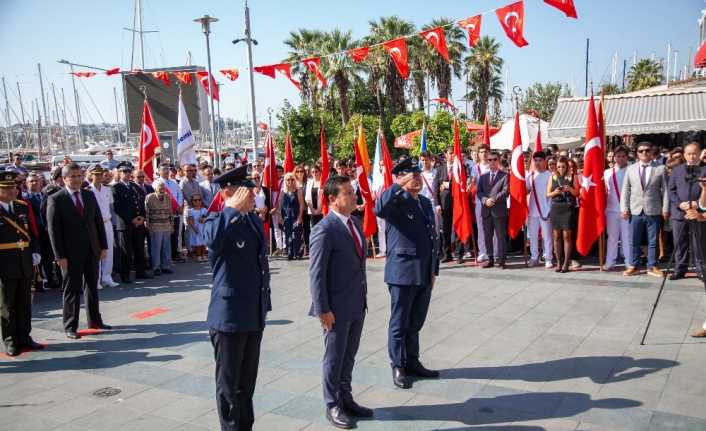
pixel 19 245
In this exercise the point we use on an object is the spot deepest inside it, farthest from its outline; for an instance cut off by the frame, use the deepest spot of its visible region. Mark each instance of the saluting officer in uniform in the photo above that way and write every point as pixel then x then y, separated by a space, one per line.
pixel 240 298
pixel 19 253
pixel 410 270
pixel 130 222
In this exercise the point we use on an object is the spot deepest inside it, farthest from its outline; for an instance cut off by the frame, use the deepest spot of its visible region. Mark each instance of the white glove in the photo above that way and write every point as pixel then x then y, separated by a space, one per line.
pixel 36 258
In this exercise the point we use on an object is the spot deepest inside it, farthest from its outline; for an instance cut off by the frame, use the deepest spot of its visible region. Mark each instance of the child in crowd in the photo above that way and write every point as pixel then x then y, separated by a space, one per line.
pixel 195 218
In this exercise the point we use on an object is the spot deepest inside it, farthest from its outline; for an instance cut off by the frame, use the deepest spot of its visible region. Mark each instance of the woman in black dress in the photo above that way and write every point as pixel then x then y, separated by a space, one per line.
pixel 563 190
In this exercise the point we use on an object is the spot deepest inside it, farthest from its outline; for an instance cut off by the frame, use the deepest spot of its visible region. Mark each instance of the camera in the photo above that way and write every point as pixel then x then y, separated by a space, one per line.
pixel 692 174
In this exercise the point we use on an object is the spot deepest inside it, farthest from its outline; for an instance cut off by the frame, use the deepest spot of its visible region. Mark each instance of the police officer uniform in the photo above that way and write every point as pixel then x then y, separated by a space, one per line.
pixel 411 265
pixel 19 252
pixel 240 300
pixel 128 205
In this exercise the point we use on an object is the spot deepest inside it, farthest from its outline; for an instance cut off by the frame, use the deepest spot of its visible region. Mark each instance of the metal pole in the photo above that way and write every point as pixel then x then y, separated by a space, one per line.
pixel 669 57
pixel 142 41
pixel 220 130
pixel 117 115
pixel 588 41
pixel 253 126
pixel 78 110
pixel 39 129
pixel 428 91
pixel 625 65
pixel 58 117
pixel 22 108
pixel 210 90
pixel 7 117
pixel 44 105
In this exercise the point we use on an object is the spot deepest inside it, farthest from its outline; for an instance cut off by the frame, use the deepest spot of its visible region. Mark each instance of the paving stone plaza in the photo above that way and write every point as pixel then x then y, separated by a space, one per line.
pixel 519 350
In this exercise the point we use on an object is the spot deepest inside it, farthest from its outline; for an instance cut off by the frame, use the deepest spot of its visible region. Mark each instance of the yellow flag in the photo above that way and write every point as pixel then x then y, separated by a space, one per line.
pixel 363 148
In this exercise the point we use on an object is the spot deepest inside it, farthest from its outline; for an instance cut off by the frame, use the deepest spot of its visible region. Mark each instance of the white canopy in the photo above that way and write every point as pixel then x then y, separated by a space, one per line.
pixel 528 131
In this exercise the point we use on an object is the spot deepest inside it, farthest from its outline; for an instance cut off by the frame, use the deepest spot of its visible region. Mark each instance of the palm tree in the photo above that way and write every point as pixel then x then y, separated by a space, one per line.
pixel 645 73
pixel 484 67
pixel 383 68
pixel 608 89
pixel 340 68
pixel 438 69
pixel 304 43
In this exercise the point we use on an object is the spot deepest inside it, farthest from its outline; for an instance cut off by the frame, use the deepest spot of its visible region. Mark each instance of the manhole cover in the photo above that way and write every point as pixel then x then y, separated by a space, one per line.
pixel 106 392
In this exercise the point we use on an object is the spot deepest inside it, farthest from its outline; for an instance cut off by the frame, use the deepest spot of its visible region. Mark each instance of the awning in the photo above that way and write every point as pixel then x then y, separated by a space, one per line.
pixel 663 110
pixel 700 57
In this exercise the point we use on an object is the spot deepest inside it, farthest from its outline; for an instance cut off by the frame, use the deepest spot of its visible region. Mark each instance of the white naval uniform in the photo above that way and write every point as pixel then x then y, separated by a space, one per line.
pixel 104 197
pixel 476 171
pixel 616 227
pixel 539 216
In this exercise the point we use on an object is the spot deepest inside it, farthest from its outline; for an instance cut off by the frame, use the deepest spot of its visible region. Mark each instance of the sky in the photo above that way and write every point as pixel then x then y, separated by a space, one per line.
pixel 91 32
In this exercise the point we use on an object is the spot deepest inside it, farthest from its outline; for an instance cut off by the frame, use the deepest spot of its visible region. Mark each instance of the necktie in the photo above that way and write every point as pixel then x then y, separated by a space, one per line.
pixel 643 170
pixel 358 247
pixel 492 177
pixel 79 205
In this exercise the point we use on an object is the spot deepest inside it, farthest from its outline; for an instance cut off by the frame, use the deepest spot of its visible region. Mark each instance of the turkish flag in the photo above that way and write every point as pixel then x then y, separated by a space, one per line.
pixel 369 221
pixel 217 204
pixel 203 79
pixel 113 71
pixel 518 188
pixel 266 70
pixel 462 216
pixel 512 20
pixel 172 199
pixel 314 66
pixel 149 142
pixel 397 48
pixel 270 178
pixel 486 132
pixel 446 102
pixel 566 6
pixel 359 54
pixel 386 161
pixel 184 77
pixel 324 168
pixel 472 26
pixel 162 76
pixel 592 208
pixel 262 126
pixel 285 69
pixel 83 74
pixel 437 38
pixel 288 158
pixel 231 74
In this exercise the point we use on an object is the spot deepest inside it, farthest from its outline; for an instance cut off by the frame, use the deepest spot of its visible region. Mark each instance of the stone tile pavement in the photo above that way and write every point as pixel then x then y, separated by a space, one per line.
pixel 519 350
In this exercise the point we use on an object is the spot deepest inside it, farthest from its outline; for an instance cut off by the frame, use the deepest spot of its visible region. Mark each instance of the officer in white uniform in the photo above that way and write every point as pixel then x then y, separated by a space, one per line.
pixel 618 229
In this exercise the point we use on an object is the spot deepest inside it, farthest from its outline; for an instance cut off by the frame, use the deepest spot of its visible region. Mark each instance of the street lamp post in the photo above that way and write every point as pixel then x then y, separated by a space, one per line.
pixel 206 21
pixel 250 42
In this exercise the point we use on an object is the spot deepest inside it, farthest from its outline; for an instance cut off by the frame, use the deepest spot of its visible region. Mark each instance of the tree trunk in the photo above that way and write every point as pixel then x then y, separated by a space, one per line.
pixel 342 85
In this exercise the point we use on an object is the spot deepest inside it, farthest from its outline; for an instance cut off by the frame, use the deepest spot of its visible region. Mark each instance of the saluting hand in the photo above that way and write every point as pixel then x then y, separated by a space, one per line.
pixel 241 200
pixel 404 179
pixel 327 320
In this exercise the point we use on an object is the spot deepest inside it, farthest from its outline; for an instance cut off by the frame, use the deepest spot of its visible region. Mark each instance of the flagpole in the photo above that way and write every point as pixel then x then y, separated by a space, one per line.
pixel 206 21
pixel 602 237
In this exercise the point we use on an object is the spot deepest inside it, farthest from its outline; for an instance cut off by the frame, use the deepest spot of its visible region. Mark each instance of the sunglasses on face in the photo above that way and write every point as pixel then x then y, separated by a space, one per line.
pixel 494 159
pixel 642 151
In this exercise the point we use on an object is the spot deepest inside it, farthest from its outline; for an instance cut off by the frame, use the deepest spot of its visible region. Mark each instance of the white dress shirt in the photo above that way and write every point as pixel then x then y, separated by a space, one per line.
pixel 613 195
pixel 344 220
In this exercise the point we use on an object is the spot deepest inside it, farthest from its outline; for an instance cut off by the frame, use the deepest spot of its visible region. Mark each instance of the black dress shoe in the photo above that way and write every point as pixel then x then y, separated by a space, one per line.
pixel 33 345
pixel 157 272
pixel 488 264
pixel 339 418
pixel 447 259
pixel 11 350
pixel 125 279
pixel 677 276
pixel 417 369
pixel 460 260
pixel 100 326
pixel 399 378
pixel 355 409
pixel 502 265
pixel 167 271
pixel 143 276
pixel 73 335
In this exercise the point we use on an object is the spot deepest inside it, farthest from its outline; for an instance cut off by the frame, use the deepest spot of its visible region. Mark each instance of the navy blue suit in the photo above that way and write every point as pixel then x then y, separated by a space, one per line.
pixel 240 300
pixel 338 284
pixel 680 191
pixel 412 262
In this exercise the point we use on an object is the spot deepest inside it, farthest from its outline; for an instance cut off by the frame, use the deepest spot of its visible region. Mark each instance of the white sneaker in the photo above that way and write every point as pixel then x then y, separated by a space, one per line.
pixel 549 264
pixel 100 286
pixel 482 258
pixel 379 255
pixel 532 263
pixel 109 283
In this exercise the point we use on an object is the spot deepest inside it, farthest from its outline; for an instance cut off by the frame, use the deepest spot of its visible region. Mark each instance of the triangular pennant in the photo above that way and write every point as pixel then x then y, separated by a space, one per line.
pixel 162 76
pixel 183 77
pixel 113 71
pixel 314 66
pixel 231 74
pixel 566 6
pixel 285 69
pixel 266 70
pixel 359 54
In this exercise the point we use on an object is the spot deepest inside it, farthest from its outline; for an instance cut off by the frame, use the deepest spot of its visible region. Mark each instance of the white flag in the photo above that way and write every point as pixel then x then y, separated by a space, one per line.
pixel 186 152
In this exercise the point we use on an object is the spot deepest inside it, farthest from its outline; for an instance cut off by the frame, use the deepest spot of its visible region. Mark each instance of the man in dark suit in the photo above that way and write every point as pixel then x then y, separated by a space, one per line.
pixel 683 195
pixel 130 224
pixel 78 240
pixel 492 192
pixel 338 291
pixel 442 189
pixel 410 270
pixel 33 196
pixel 51 271
pixel 240 297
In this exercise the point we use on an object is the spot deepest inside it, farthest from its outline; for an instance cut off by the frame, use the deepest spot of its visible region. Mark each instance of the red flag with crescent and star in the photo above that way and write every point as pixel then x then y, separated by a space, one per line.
pixel 162 76
pixel 203 79
pixel 231 74
pixel 592 208
pixel 472 26
pixel 512 20
pixel 113 71
pixel 437 38
pixel 184 77
pixel 359 54
pixel 266 70
pixel 518 188
pixel 462 216
pixel 314 66
pixel 149 142
pixel 566 6
pixel 397 48
pixel 325 169
pixel 270 178
pixel 285 69
pixel 288 157
pixel 369 220
pixel 217 204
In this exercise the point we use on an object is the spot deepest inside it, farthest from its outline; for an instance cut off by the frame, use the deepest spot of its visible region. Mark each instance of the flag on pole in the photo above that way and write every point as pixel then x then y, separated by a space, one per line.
pixel 217 204
pixel 324 167
pixel 462 217
pixel 270 178
pixel 149 142
pixel 486 132
pixel 363 148
pixel 592 208
pixel 378 176
pixel 538 141
pixel 186 147
pixel 369 221
pixel 601 123
pixel 386 161
pixel 288 157
pixel 518 188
